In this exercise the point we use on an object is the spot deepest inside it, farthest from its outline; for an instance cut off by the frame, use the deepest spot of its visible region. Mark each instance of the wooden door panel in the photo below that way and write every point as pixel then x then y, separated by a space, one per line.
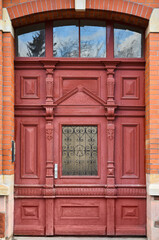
pixel 30 157
pixel 52 95
pixel 29 86
pixel 80 216
pixel 129 152
pixel 68 80
pixel 29 218
pixel 129 89
pixel 130 216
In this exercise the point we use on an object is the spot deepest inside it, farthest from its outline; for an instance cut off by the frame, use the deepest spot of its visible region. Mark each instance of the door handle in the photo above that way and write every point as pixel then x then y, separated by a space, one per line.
pixel 56 170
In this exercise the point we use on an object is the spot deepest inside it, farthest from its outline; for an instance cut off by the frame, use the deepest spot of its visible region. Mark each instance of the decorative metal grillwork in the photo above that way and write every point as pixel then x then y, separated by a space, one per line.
pixel 79 150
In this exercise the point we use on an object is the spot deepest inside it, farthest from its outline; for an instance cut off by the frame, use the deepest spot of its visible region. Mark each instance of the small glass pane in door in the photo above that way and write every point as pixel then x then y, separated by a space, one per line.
pixel 79 150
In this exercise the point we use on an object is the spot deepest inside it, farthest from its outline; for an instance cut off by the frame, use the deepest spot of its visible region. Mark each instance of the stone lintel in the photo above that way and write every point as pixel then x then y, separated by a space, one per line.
pixel 5 23
pixel 153 26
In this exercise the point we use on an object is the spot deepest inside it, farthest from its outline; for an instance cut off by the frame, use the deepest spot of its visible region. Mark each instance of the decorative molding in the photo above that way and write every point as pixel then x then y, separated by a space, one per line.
pixel 111 192
pixel 110 131
pixel 80 191
pixel 80 89
pixel 28 191
pixel 131 191
pixel 49 88
pixel 110 134
pixel 49 134
pixel 5 23
pixel 31 191
pixel 49 192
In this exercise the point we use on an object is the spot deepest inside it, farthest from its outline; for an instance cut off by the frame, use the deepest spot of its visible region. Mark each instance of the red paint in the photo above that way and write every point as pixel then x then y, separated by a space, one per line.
pixel 104 92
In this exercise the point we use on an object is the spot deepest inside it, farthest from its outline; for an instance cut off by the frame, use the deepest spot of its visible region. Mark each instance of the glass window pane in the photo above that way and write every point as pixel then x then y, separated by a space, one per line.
pixel 127 42
pixel 30 41
pixel 66 39
pixel 93 38
pixel 79 151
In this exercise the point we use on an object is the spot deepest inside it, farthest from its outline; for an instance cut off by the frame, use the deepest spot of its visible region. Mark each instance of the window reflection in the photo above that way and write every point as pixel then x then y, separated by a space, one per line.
pixel 66 39
pixel 31 41
pixel 93 39
pixel 127 42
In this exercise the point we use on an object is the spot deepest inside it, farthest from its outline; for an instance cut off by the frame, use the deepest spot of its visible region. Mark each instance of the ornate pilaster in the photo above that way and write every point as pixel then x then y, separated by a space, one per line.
pixel 49 191
pixel 110 85
pixel 110 114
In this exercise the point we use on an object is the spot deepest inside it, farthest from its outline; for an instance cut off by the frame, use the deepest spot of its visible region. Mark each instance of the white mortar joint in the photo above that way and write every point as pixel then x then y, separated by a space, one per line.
pixel 80 5
pixel 153 26
pixel 5 23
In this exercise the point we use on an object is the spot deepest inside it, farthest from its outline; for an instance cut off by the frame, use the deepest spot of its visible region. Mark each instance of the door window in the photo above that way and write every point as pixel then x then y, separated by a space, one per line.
pixel 79 150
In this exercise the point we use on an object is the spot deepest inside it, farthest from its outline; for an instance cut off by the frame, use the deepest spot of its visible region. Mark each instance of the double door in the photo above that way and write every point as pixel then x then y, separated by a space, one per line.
pixel 80 148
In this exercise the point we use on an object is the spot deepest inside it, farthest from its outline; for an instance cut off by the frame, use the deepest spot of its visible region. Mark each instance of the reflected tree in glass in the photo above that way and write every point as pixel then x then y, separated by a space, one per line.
pixel 127 43
pixel 30 43
pixel 93 39
pixel 36 48
pixel 66 39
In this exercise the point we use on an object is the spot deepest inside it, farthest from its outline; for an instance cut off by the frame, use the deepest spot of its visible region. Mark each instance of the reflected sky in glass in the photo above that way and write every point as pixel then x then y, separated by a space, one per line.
pixel 66 39
pixel 31 44
pixel 127 43
pixel 93 39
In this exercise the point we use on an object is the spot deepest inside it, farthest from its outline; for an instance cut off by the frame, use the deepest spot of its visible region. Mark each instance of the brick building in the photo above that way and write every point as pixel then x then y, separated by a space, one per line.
pixel 85 123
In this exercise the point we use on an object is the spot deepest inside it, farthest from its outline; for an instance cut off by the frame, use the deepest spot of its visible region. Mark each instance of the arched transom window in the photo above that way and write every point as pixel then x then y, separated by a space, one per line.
pixel 79 38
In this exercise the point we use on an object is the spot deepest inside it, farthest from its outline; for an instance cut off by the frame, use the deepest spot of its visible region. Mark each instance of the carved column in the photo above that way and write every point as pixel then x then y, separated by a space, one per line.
pixel 110 114
pixel 49 191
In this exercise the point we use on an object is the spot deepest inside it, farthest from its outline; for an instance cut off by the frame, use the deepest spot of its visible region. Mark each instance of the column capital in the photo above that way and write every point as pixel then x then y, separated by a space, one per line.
pixel 5 23
pixel 153 26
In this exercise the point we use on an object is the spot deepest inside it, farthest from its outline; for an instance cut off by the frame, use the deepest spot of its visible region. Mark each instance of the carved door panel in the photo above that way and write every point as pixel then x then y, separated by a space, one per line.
pixel 80 148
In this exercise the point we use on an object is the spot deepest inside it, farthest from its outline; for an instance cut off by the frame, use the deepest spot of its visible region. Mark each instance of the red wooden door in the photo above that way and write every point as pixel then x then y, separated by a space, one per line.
pixel 80 148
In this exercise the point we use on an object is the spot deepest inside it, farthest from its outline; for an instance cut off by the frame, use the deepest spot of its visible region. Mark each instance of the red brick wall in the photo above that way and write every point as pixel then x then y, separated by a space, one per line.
pixel 150 3
pixel 152 103
pixel 8 101
pixel 1 102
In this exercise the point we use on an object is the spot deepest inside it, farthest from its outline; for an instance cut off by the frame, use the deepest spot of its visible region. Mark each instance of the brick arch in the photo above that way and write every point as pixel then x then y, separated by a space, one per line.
pixel 43 10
